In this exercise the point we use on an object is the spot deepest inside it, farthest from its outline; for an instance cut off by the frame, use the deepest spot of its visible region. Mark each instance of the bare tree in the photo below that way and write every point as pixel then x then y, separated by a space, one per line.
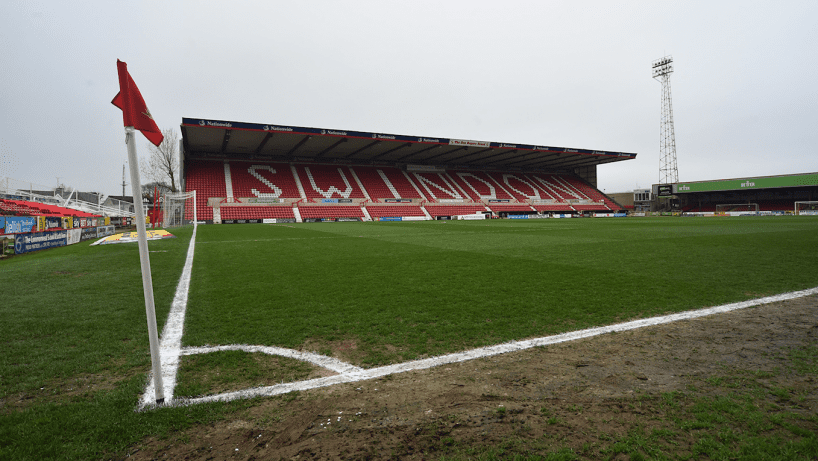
pixel 162 166
pixel 150 188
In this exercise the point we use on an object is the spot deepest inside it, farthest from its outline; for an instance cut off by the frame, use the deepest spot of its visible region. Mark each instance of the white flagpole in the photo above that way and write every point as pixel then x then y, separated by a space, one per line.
pixel 147 283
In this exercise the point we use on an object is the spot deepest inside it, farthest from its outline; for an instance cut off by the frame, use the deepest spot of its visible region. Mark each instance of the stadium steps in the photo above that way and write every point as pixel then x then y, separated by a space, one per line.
pixel 389 184
pixel 459 187
pixel 360 185
pixel 436 184
pixel 367 217
pixel 228 183
pixel 415 186
pixel 262 180
pixel 328 182
pixel 425 212
pixel 379 185
pixel 298 182
pixel 517 190
pixel 483 186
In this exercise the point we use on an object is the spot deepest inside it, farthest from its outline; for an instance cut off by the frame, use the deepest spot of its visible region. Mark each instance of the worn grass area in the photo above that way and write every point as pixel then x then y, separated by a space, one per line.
pixel 404 291
pixel 734 414
pixel 235 370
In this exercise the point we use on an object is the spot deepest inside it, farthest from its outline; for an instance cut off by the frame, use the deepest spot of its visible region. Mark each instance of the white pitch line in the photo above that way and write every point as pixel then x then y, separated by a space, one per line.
pixel 323 361
pixel 171 341
pixel 356 374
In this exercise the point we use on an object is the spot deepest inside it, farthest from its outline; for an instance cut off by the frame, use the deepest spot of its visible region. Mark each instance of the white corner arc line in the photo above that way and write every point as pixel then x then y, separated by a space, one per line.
pixel 171 341
pixel 329 363
pixel 357 374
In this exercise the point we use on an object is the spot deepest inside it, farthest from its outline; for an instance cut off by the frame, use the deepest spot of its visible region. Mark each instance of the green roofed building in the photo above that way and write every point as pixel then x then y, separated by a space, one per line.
pixel 763 194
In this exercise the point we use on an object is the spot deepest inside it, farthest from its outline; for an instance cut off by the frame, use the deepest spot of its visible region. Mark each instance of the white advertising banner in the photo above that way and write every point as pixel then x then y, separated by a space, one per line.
pixel 74 236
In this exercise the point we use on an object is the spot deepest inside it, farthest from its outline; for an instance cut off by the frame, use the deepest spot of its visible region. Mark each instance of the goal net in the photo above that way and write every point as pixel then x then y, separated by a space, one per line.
pixel 806 208
pixel 729 207
pixel 178 209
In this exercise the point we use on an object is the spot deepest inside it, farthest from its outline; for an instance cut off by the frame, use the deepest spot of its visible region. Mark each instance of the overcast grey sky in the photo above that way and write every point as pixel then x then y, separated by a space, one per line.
pixel 572 73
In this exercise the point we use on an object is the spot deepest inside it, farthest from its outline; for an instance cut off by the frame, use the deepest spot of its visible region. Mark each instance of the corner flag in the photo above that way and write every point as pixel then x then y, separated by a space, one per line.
pixel 135 112
pixel 136 116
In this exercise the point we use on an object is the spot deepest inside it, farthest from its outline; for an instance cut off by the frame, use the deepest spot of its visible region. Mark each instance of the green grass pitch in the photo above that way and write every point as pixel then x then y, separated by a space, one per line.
pixel 408 290
pixel 74 337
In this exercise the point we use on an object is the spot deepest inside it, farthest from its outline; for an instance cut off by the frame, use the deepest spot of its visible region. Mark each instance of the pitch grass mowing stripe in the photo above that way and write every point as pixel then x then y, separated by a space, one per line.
pixel 357 374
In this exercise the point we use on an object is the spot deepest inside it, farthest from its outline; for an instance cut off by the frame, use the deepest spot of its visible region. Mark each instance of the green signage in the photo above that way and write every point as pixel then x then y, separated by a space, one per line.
pixel 749 183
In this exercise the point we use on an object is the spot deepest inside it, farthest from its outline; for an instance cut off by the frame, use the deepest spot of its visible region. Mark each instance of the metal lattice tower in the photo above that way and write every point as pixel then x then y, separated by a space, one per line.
pixel 668 171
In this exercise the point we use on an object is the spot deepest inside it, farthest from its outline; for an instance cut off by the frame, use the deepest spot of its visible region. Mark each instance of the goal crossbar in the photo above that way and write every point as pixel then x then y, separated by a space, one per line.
pixel 728 206
pixel 812 205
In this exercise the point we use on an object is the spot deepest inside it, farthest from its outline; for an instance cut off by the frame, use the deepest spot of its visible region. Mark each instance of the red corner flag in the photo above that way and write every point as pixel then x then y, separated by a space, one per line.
pixel 135 112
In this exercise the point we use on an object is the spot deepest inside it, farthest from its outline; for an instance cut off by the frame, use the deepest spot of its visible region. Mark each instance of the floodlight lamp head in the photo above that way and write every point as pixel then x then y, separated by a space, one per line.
pixel 663 66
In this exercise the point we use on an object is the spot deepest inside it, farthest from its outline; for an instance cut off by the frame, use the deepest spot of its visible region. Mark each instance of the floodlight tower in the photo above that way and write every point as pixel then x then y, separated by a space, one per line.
pixel 668 172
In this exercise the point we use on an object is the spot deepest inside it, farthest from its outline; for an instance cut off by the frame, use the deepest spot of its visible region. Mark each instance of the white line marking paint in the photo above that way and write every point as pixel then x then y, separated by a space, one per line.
pixel 171 341
pixel 316 359
pixel 349 373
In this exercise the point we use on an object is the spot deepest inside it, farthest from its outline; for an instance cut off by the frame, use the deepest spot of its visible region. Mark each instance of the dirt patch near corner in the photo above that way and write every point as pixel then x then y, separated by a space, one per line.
pixel 582 396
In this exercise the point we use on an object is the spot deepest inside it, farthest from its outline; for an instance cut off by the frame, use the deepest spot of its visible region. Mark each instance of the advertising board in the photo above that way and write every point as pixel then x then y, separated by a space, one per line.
pixel 88 233
pixel 73 236
pixel 25 243
pixel 664 190
pixel 53 222
pixel 105 231
pixel 19 224
pixel 241 221
pixel 769 182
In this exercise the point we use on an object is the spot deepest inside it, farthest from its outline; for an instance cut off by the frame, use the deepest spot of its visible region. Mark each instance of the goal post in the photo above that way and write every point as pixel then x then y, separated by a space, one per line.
pixel 178 209
pixel 741 207
pixel 809 207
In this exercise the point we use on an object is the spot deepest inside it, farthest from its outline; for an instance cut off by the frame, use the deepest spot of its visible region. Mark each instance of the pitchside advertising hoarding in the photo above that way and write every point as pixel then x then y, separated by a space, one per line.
pixel 24 243
pixel 798 180
pixel 18 224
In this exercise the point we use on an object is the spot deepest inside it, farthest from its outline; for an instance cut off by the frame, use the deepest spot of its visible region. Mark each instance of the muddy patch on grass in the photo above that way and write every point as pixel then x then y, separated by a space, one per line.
pixel 677 389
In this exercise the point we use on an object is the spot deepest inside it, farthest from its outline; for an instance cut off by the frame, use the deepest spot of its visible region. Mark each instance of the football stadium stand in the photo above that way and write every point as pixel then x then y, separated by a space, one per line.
pixel 25 208
pixel 207 178
pixel 386 183
pixel 231 186
pixel 762 194
pixel 244 171
pixel 387 211
pixel 257 179
pixel 330 211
